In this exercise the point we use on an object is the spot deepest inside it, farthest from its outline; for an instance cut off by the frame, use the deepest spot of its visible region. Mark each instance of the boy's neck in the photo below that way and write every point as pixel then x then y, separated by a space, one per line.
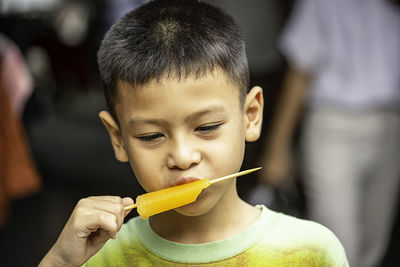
pixel 229 216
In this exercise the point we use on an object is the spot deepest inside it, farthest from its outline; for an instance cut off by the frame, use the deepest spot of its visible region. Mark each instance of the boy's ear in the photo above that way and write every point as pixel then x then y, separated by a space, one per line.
pixel 253 111
pixel 115 135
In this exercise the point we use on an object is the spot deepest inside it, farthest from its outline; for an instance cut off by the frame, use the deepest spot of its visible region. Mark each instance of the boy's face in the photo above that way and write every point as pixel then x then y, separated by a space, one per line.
pixel 173 132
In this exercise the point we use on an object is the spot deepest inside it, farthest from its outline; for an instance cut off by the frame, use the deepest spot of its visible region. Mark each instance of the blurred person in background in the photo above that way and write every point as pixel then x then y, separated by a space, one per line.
pixel 344 82
pixel 19 177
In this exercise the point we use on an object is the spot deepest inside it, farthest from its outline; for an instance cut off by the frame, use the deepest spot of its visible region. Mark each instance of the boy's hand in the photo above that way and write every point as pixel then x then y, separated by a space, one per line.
pixel 93 221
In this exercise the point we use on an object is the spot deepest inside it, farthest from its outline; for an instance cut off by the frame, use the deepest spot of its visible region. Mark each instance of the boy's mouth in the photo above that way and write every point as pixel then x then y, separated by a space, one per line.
pixel 184 180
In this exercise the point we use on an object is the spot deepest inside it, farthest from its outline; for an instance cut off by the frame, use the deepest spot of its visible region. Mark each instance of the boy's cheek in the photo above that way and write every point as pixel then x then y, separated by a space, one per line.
pixel 227 154
pixel 145 166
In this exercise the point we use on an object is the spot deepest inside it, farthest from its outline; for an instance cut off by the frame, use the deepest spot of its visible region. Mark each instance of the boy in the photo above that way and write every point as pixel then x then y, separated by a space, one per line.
pixel 175 77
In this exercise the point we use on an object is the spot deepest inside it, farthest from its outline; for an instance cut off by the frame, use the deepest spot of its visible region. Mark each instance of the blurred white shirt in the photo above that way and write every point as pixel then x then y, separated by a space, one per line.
pixel 352 49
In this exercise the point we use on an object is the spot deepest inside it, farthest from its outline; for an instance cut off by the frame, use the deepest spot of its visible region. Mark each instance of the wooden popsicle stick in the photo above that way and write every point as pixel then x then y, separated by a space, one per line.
pixel 130 207
pixel 234 175
pixel 213 181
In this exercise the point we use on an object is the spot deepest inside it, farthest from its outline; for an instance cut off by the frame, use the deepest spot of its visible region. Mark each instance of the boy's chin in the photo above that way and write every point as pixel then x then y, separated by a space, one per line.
pixel 194 209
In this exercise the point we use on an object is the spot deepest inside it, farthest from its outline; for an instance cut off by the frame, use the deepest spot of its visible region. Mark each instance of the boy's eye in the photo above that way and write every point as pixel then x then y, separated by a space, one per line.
pixel 208 128
pixel 150 137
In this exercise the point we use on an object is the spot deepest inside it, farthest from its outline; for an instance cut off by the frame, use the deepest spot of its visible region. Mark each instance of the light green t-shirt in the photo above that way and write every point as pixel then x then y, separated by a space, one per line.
pixel 274 239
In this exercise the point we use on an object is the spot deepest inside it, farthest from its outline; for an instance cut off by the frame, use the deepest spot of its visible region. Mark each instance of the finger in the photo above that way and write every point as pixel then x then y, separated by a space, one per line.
pixel 111 205
pixel 127 201
pixel 100 237
pixel 101 221
pixel 86 220
pixel 105 205
pixel 115 199
pixel 116 209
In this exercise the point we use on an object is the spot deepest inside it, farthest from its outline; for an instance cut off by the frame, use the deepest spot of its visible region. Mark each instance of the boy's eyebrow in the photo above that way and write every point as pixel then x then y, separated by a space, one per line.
pixel 140 120
pixel 214 109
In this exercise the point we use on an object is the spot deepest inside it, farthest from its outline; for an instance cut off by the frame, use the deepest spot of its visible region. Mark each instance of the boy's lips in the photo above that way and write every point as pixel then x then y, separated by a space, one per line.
pixel 184 180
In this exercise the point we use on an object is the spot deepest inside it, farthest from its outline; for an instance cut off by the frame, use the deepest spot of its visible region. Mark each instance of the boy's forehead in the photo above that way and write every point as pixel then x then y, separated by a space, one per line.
pixel 214 87
pixel 217 77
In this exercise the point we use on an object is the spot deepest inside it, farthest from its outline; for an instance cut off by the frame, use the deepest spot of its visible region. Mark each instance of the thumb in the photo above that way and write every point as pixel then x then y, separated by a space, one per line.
pixel 127 201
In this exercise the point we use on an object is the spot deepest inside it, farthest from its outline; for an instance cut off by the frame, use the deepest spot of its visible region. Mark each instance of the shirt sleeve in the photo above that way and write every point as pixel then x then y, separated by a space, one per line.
pixel 301 41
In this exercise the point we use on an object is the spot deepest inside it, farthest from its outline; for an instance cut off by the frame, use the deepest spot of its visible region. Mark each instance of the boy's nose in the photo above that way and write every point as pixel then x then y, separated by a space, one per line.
pixel 183 155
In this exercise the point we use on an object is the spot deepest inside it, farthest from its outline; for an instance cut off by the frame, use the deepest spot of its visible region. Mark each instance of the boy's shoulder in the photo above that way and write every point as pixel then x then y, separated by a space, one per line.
pixel 292 228
pixel 296 236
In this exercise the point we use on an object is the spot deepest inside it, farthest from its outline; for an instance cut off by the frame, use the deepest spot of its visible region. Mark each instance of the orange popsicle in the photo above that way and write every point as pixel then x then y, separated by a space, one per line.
pixel 173 197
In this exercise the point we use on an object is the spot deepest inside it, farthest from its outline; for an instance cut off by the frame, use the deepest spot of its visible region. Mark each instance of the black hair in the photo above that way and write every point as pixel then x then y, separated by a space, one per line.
pixel 178 38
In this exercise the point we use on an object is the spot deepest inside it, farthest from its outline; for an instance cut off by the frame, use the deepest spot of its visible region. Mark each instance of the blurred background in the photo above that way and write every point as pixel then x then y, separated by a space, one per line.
pixel 54 149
